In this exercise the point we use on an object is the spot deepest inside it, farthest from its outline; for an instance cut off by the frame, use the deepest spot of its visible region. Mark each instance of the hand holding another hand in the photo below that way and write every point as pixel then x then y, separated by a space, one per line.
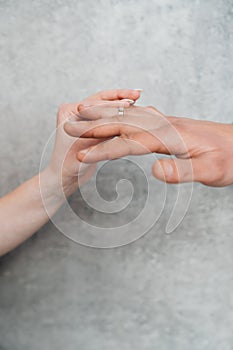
pixel 64 162
pixel 203 150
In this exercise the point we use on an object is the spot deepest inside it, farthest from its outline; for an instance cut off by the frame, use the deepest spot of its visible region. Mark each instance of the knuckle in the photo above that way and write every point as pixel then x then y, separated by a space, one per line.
pixel 62 109
pixel 179 130
pixel 178 123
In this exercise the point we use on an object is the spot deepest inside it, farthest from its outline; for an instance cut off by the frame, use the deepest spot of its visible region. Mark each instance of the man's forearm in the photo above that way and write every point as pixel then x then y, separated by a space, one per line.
pixel 22 211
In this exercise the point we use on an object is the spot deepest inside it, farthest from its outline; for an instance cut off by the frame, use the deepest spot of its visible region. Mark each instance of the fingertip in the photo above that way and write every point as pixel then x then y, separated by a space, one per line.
pixel 135 94
pixel 85 155
pixel 66 127
pixel 80 107
pixel 80 156
pixel 129 94
pixel 72 128
pixel 157 171
pixel 163 170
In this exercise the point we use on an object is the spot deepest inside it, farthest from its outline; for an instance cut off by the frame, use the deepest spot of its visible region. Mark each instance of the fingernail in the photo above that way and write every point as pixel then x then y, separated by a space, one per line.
pixel 82 106
pixel 128 100
pixel 168 170
pixel 83 151
pixel 159 169
pixel 140 90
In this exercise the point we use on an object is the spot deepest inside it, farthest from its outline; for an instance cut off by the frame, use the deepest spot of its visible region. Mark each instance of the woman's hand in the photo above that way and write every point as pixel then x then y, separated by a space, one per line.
pixel 64 163
pixel 36 200
pixel 203 150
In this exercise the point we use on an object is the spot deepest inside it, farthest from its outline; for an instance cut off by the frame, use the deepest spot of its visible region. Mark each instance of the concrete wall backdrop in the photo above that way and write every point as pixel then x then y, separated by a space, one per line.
pixel 162 292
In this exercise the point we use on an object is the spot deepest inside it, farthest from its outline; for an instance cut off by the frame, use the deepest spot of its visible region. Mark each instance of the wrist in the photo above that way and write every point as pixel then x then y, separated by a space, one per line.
pixel 57 186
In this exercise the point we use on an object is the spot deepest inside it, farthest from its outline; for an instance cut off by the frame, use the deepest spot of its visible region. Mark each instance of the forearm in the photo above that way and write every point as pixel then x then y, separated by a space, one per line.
pixel 22 211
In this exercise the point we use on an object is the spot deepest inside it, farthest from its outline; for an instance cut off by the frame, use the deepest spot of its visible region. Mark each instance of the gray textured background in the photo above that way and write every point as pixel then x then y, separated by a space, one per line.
pixel 162 292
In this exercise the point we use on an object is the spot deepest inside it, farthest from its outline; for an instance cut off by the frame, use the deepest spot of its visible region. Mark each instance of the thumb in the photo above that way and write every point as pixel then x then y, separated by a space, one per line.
pixel 174 171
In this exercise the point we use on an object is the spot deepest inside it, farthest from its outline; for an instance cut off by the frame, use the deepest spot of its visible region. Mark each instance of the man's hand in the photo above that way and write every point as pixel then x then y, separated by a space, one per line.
pixel 203 150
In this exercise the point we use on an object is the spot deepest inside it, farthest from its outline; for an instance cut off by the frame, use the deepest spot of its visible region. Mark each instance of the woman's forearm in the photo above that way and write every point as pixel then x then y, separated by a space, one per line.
pixel 22 211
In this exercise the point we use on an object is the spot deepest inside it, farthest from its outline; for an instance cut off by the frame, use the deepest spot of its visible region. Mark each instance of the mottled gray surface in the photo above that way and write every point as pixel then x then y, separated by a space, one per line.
pixel 162 292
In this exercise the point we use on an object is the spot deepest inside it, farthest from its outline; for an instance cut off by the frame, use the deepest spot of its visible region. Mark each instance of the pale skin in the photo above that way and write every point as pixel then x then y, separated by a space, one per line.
pixel 22 211
pixel 203 150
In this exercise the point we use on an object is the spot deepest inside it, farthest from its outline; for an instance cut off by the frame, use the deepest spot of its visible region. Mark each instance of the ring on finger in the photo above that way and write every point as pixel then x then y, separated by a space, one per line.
pixel 121 111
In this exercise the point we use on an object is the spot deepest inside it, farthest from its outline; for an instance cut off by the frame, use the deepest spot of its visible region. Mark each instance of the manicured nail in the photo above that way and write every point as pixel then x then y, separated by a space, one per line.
pixel 131 102
pixel 128 100
pixel 140 90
